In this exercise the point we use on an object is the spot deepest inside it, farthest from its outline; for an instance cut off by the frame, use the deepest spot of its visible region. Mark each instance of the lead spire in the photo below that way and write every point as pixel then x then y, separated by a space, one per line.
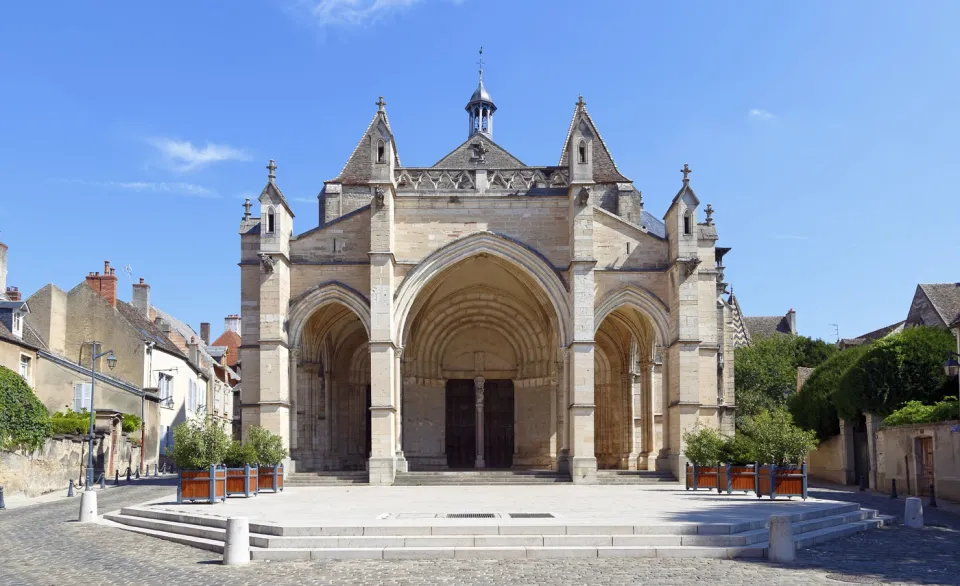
pixel 481 106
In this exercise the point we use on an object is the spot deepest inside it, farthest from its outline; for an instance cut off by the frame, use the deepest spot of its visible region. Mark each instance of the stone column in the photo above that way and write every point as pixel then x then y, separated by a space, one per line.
pixel 648 450
pixel 478 384
pixel 873 424
pixel 847 453
pixel 294 400
pixel 402 465
pixel 563 399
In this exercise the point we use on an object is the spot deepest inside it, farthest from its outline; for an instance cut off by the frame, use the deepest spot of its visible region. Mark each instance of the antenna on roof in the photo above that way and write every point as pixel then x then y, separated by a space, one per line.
pixel 836 331
pixel 129 270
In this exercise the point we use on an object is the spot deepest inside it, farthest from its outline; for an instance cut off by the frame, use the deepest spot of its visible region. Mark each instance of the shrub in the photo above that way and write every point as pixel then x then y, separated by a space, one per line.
pixel 70 422
pixel 198 444
pixel 917 412
pixel 24 422
pixel 131 423
pixel 240 455
pixel 703 445
pixel 739 450
pixel 776 440
pixel 269 446
pixel 905 367
pixel 813 407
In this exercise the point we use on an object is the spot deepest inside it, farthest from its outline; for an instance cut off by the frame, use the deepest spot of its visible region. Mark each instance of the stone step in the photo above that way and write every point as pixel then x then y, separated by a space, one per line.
pixel 419 553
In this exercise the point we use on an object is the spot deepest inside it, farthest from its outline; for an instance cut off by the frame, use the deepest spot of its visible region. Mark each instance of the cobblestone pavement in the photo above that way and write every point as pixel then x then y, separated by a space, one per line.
pixel 40 545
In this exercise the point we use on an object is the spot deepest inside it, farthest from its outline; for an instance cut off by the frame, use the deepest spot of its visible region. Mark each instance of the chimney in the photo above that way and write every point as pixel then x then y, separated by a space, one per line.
pixel 205 332
pixel 792 321
pixel 232 323
pixel 141 297
pixel 13 294
pixel 3 266
pixel 105 284
pixel 192 351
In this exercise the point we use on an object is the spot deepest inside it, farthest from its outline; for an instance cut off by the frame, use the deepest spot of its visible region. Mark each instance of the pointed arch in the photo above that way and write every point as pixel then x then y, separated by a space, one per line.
pixel 512 252
pixel 308 302
pixel 638 297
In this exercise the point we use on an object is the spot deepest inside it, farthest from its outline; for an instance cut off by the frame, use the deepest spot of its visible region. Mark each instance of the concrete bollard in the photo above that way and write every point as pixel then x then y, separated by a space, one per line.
pixel 913 513
pixel 236 547
pixel 781 547
pixel 88 506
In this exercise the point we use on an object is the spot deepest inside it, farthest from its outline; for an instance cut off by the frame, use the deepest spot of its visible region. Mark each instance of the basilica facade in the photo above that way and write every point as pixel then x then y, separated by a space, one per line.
pixel 483 313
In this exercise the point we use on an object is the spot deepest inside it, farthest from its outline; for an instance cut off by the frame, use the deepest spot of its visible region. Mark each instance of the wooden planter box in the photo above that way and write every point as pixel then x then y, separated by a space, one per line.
pixel 701 476
pixel 242 481
pixel 208 485
pixel 270 478
pixel 737 477
pixel 782 481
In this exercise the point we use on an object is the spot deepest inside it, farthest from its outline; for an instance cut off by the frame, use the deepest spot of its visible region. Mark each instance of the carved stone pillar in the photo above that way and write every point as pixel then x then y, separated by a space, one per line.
pixel 478 383
pixel 294 400
pixel 563 455
pixel 402 465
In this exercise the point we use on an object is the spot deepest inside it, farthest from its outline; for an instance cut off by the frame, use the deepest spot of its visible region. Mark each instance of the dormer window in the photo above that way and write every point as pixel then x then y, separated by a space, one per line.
pixel 18 324
pixel 582 152
pixel 687 224
pixel 381 150
pixel 271 221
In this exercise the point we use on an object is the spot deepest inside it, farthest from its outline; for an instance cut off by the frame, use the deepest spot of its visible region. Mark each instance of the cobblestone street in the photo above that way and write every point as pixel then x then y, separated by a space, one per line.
pixel 42 545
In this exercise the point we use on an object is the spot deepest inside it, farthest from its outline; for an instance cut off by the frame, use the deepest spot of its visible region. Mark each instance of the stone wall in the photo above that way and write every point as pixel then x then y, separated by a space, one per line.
pixel 898 456
pixel 60 459
pixel 827 461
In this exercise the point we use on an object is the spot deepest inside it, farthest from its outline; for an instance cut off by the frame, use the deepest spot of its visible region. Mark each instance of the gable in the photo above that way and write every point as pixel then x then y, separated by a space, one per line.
pixel 358 166
pixel 604 169
pixel 465 155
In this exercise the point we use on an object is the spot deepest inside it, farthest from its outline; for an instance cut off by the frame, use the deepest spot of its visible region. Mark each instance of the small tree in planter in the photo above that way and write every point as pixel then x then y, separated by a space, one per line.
pixel 704 448
pixel 199 448
pixel 740 472
pixel 270 456
pixel 782 447
pixel 241 462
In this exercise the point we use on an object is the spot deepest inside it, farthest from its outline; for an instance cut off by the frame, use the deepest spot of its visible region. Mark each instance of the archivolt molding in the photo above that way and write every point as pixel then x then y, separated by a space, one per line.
pixel 644 301
pixel 528 263
pixel 329 292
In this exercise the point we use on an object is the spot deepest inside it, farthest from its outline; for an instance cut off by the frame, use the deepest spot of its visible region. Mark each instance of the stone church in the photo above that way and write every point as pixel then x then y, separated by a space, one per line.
pixel 483 313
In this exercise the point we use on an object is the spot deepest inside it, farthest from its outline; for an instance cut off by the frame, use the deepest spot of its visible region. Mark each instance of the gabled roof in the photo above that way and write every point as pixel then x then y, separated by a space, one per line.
pixel 684 189
pixel 146 329
pixel 270 190
pixel 604 169
pixel 7 336
pixel 357 167
pixel 463 157
pixel 231 341
pixel 945 299
pixel 874 335
pixel 767 325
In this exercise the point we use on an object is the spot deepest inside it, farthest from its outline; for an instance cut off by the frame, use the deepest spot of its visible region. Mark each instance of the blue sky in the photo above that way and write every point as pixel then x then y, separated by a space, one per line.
pixel 823 133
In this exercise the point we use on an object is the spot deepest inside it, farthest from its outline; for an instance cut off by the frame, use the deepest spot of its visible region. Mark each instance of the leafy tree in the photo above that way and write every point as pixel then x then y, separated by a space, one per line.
pixel 24 422
pixel 199 444
pixel 813 353
pixel 813 407
pixel 897 369
pixel 703 445
pixel 131 422
pixel 240 454
pixel 269 446
pixel 776 440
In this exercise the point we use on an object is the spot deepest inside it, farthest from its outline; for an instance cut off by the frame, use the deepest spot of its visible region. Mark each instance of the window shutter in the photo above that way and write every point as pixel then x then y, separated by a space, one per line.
pixel 77 397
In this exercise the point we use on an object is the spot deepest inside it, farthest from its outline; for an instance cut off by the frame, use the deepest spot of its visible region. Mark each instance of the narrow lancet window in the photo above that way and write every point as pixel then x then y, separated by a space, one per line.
pixel 686 223
pixel 582 152
pixel 271 221
pixel 381 150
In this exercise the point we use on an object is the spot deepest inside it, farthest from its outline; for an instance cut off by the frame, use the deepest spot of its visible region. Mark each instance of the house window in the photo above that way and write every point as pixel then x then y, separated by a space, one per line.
pixel 81 396
pixel 582 152
pixel 165 385
pixel 25 367
pixel 191 396
pixel 381 150
pixel 271 221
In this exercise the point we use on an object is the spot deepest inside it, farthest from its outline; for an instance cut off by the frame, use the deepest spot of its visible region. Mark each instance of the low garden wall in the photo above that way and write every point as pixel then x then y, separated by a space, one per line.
pixel 61 458
pixel 900 456
pixel 827 462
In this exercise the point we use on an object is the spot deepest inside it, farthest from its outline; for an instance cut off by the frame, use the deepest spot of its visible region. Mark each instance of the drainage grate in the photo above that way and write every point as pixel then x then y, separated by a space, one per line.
pixel 470 516
pixel 531 515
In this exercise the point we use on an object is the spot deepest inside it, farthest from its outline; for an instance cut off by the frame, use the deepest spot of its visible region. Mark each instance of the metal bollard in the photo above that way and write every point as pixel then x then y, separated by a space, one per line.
pixel 128 473
pixel 70 488
pixel 893 492
pixel 116 479
pixel 3 505
pixel 156 470
pixel 137 477
pixel 103 480
pixel 863 482
pixel 933 496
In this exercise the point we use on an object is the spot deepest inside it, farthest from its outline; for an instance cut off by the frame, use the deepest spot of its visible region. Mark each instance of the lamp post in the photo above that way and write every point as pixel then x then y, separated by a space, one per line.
pixel 952 368
pixel 112 363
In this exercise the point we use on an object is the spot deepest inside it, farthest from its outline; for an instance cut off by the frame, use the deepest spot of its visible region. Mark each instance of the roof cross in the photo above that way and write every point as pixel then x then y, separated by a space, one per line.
pixel 380 104
pixel 480 63
pixel 686 171
pixel 580 101
pixel 273 170
pixel 246 208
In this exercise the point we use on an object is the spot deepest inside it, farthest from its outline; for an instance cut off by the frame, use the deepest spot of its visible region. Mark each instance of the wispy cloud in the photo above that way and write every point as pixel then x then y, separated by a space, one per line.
pixel 758 114
pixel 351 12
pixel 790 237
pixel 161 187
pixel 181 155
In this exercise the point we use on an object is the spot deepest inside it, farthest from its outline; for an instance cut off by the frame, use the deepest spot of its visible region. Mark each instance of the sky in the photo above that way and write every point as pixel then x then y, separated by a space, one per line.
pixel 823 133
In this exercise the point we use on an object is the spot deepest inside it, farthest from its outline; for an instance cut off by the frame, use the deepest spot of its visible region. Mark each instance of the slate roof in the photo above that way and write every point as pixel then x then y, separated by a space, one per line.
pixel 463 157
pixel 187 332
pixel 148 331
pixel 604 169
pixel 357 168
pixel 945 298
pixel 271 189
pixel 874 335
pixel 7 336
pixel 766 325
pixel 653 224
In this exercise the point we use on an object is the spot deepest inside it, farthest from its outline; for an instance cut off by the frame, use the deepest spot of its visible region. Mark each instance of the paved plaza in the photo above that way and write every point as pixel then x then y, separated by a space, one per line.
pixel 41 545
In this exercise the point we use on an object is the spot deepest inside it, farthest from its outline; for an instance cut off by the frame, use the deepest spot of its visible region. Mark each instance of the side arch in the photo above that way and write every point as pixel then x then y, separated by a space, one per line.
pixel 308 302
pixel 506 249
pixel 641 299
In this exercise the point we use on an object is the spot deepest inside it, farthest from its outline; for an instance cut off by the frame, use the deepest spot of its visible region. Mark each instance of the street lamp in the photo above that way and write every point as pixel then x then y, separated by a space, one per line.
pixel 112 363
pixel 952 368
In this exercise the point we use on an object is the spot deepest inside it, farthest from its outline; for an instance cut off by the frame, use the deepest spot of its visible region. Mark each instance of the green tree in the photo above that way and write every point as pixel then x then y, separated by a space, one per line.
pixel 813 407
pixel 704 446
pixel 269 446
pixel 199 444
pixel 776 440
pixel 905 367
pixel 24 421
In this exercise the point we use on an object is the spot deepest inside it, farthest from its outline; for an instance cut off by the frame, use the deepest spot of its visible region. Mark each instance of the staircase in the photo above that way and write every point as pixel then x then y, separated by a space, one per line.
pixel 633 477
pixel 326 478
pixel 503 537
pixel 479 477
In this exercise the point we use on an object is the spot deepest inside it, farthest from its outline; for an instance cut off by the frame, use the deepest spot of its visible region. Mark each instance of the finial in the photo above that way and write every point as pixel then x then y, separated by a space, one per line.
pixel 273 170
pixel 640 197
pixel 686 172
pixel 246 208
pixel 380 104
pixel 580 102
pixel 480 63
pixel 709 212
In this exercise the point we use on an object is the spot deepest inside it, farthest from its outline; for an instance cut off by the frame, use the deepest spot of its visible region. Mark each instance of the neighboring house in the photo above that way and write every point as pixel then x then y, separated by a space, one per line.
pixel 226 349
pixel 872 336
pixel 934 304
pixel 746 330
